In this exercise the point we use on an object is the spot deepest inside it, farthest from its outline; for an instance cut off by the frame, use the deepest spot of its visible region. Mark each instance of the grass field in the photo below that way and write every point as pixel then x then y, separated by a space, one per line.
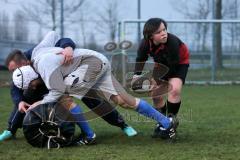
pixel 209 130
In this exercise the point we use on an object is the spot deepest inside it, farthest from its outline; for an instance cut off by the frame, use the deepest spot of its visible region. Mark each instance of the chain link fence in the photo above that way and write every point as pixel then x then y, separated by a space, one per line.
pixel 200 37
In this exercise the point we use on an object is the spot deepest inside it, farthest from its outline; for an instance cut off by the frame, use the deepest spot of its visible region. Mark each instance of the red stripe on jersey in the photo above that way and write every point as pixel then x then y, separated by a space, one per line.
pixel 183 54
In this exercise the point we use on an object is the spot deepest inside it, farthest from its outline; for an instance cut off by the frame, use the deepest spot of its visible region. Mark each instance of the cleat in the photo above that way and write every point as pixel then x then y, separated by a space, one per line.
pixel 129 131
pixel 169 133
pixel 5 135
pixel 86 141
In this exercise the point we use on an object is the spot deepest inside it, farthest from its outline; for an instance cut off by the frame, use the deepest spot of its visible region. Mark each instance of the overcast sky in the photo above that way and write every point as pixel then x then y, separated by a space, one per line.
pixel 149 8
pixel 152 8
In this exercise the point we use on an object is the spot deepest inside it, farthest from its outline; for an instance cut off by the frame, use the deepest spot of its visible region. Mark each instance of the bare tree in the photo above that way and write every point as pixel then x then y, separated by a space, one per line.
pixel 42 12
pixel 21 28
pixel 201 9
pixel 92 42
pixel 196 10
pixel 81 22
pixel 73 6
pixel 218 33
pixel 5 28
pixel 231 11
pixel 47 12
pixel 109 17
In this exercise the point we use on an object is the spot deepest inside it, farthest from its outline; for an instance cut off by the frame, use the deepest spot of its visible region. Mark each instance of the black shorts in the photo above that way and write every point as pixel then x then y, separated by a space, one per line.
pixel 179 71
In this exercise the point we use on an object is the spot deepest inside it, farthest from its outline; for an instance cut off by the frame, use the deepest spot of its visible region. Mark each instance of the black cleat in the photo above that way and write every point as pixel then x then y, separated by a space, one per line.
pixel 83 140
pixel 169 133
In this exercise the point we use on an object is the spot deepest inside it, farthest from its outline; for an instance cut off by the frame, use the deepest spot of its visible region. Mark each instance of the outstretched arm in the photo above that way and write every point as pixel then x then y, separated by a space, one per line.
pixel 48 41
pixel 141 58
pixel 65 43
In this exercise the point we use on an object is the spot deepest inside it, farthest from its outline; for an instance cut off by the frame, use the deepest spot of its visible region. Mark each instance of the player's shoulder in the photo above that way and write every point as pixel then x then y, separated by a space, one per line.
pixel 173 39
pixel 143 45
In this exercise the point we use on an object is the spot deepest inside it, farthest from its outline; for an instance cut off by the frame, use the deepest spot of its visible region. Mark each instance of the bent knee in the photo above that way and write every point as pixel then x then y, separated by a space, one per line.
pixel 175 94
pixel 66 101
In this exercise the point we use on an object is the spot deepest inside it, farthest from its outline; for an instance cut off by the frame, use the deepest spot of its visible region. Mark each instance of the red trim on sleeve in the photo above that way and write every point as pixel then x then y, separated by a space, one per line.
pixel 184 54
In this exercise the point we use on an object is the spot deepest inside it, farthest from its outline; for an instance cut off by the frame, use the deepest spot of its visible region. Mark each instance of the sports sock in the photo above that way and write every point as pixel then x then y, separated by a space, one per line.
pixel 81 121
pixel 173 108
pixel 147 110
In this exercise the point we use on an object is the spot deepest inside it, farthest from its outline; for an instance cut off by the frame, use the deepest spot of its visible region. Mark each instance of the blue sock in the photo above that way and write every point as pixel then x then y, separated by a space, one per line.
pixel 81 121
pixel 147 110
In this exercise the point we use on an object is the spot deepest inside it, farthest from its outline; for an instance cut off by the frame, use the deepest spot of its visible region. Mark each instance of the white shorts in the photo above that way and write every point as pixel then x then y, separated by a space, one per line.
pixel 94 73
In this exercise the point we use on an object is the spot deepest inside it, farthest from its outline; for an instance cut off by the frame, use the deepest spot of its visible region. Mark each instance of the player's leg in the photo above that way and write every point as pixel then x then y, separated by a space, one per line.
pixel 113 90
pixel 107 112
pixel 177 81
pixel 142 107
pixel 174 96
pixel 78 116
pixel 158 99
pixel 8 133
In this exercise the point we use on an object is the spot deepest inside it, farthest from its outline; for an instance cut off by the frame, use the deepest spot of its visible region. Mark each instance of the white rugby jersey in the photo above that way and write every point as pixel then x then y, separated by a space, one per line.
pixel 48 63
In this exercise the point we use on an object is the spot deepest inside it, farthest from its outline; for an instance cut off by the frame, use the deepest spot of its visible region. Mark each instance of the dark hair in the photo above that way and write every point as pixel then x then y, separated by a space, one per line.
pixel 17 56
pixel 152 26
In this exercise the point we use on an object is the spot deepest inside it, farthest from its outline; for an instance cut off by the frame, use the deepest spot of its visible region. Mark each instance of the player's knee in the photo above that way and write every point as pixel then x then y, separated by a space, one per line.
pixel 66 101
pixel 175 94
pixel 123 102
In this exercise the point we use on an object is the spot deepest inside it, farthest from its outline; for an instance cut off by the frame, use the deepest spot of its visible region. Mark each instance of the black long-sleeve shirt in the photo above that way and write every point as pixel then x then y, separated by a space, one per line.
pixel 171 53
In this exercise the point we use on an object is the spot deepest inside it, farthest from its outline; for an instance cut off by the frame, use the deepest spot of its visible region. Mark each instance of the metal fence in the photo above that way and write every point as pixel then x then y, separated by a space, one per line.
pixel 200 37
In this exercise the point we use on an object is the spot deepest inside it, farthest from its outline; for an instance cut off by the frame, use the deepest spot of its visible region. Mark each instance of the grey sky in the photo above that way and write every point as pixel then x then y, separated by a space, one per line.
pixel 152 8
pixel 149 8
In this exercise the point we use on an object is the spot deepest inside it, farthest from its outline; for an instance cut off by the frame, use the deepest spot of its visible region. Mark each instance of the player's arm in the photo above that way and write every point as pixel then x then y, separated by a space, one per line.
pixel 141 58
pixel 16 94
pixel 35 104
pixel 52 96
pixel 48 41
pixel 65 43
pixel 68 46
pixel 23 106
pixel 55 85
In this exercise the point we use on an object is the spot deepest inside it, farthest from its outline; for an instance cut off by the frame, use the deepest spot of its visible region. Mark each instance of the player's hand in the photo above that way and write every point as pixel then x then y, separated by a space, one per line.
pixel 68 55
pixel 153 83
pixel 135 77
pixel 23 106
pixel 34 105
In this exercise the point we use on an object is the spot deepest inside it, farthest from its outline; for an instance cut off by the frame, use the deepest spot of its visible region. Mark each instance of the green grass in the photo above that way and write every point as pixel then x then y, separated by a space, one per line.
pixel 225 74
pixel 5 75
pixel 209 130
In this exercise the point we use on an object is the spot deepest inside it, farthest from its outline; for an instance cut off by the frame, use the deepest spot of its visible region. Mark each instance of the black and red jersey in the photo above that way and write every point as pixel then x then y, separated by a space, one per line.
pixel 171 53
